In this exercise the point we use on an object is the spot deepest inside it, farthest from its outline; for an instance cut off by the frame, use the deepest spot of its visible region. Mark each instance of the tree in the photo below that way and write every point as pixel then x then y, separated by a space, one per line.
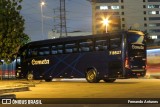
pixel 12 34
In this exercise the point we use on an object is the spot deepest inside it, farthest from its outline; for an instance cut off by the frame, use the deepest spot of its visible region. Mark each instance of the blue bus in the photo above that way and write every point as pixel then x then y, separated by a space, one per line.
pixel 98 57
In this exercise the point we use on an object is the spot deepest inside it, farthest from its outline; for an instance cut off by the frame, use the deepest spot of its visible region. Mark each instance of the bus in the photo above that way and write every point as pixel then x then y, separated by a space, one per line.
pixel 110 56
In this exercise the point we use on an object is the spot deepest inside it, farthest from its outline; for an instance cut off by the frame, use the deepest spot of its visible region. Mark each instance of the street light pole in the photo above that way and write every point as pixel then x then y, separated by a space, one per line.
pixel 106 22
pixel 42 4
pixel 106 29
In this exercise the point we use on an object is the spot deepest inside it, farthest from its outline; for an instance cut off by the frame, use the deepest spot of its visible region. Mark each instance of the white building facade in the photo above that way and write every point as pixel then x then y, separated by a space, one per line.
pixel 54 34
pixel 141 15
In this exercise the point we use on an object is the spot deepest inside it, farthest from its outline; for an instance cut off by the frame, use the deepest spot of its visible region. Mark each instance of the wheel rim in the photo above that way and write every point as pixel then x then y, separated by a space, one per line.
pixel 90 75
pixel 30 77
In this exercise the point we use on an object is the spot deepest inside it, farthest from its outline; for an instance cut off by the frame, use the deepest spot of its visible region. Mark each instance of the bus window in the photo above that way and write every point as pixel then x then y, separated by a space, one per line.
pixel 54 50
pixel 33 52
pixel 115 43
pixel 18 61
pixel 86 46
pixel 60 49
pixel 24 54
pixel 29 53
pixel 70 48
pixel 44 51
pixel 101 45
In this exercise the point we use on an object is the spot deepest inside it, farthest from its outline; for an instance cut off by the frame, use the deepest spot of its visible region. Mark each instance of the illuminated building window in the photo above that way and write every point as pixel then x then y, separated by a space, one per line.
pixel 154 25
pixel 107 7
pixel 103 7
pixel 115 7
pixel 153 37
pixel 152 12
pixel 153 6
pixel 157 12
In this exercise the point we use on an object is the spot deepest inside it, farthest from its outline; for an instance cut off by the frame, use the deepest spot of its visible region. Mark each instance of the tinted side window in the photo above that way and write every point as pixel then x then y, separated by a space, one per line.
pixel 44 51
pixel 54 50
pixel 101 45
pixel 24 54
pixel 18 60
pixel 115 43
pixel 60 49
pixel 86 46
pixel 33 52
pixel 70 48
pixel 57 49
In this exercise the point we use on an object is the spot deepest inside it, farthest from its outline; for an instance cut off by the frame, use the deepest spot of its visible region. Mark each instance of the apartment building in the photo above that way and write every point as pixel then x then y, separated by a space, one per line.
pixel 141 15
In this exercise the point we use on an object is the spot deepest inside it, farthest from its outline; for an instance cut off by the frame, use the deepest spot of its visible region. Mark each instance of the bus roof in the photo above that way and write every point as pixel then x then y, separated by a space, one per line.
pixel 72 38
pixel 64 39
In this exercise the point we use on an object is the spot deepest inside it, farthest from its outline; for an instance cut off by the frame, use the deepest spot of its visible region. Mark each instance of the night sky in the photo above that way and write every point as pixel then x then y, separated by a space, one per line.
pixel 79 16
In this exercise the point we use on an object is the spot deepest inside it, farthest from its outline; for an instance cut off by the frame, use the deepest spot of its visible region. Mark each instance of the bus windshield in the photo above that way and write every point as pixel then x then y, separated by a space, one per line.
pixel 135 39
pixel 136 44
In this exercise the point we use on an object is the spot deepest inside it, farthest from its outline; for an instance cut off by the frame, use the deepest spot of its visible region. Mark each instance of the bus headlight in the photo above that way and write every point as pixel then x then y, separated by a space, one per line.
pixel 17 75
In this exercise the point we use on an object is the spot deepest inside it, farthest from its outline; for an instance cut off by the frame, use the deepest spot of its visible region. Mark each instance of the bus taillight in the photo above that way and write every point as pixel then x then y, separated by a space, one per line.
pixel 127 63
pixel 144 67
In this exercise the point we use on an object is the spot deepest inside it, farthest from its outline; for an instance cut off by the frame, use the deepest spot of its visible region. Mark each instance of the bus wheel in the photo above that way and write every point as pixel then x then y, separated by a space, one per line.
pixel 30 76
pixel 109 80
pixel 91 76
pixel 48 80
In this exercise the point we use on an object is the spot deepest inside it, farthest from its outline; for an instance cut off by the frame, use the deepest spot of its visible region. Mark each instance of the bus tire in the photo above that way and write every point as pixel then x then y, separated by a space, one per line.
pixel 91 76
pixel 48 80
pixel 109 80
pixel 30 76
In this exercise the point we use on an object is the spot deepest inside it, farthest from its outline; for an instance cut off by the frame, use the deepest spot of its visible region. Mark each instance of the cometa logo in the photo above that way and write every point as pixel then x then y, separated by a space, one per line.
pixel 137 47
pixel 39 62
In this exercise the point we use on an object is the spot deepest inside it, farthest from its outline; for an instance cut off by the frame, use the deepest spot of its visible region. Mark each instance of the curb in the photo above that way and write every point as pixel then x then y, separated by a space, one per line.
pixel 4 96
pixel 7 90
pixel 25 85
pixel 13 89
